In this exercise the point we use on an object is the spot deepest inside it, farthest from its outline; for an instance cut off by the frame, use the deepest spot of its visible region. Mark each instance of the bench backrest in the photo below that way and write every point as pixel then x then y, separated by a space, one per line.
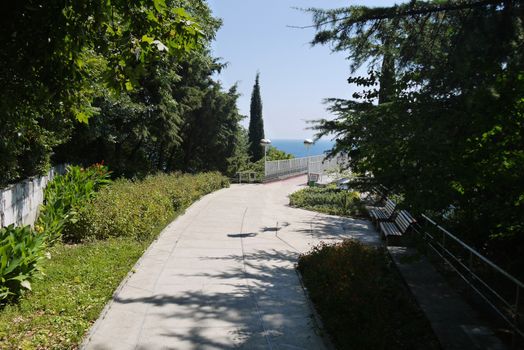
pixel 404 220
pixel 390 207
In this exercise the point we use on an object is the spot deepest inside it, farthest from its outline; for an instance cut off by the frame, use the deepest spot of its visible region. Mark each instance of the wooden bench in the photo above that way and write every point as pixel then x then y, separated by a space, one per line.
pixel 383 214
pixel 393 231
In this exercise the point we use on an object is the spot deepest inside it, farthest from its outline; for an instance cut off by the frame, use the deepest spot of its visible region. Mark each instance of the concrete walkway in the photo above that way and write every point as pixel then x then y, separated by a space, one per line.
pixel 454 322
pixel 222 276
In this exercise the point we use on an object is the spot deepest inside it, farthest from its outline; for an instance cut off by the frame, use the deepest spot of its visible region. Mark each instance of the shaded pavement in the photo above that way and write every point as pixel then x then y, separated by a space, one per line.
pixel 455 323
pixel 222 276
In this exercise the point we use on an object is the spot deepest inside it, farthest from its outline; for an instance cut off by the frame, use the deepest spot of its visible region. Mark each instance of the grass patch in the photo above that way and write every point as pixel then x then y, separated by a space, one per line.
pixel 328 200
pixel 79 281
pixel 362 300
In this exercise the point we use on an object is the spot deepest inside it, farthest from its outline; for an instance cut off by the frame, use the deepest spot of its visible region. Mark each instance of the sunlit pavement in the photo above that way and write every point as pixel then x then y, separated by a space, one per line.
pixel 222 276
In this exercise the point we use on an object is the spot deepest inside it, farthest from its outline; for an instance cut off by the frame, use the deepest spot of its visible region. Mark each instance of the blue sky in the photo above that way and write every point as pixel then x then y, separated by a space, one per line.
pixel 294 77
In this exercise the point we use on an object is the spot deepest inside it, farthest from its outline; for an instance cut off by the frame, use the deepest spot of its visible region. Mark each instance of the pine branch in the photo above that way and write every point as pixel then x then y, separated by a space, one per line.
pixel 396 11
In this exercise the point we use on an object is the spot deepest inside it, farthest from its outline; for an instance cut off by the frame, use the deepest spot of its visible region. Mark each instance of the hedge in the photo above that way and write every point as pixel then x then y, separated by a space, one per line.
pixel 362 299
pixel 329 200
pixel 135 208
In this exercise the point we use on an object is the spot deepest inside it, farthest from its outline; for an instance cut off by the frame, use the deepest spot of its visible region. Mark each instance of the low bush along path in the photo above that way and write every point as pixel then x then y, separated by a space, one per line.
pixel 222 275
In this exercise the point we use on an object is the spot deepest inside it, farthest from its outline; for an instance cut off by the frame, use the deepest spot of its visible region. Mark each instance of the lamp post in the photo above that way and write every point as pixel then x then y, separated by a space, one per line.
pixel 308 143
pixel 265 143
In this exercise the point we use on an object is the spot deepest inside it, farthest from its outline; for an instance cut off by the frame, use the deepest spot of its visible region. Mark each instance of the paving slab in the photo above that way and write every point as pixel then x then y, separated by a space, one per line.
pixel 222 276
pixel 455 323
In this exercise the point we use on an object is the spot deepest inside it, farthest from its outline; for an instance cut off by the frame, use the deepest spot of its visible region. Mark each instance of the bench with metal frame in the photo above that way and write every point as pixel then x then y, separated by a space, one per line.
pixel 385 213
pixel 381 193
pixel 393 231
pixel 371 193
pixel 251 176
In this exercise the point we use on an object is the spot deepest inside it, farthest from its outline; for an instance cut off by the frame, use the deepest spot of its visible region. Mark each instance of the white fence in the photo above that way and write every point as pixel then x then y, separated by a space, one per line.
pixel 19 203
pixel 320 166
pixel 296 166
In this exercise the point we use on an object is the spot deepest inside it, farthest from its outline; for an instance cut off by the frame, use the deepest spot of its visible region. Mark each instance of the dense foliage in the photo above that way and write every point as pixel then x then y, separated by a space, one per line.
pixel 130 84
pixel 329 200
pixel 123 209
pixel 274 153
pixel 56 57
pixel 65 195
pixel 21 255
pixel 449 126
pixel 362 300
pixel 256 123
pixel 181 121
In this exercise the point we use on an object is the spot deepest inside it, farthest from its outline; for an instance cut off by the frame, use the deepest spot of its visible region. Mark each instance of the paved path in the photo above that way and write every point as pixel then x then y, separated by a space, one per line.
pixel 222 276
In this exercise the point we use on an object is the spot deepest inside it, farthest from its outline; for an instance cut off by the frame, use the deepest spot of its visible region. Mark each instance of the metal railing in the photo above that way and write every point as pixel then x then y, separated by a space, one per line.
pixel 296 166
pixel 246 176
pixel 319 166
pixel 500 290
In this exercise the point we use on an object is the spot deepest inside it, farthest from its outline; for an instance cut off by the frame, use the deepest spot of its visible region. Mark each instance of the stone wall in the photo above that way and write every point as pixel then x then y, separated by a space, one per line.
pixel 19 203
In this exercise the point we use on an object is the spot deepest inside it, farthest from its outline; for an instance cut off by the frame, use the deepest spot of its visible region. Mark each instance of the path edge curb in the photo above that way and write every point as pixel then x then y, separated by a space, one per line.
pixel 109 304
pixel 319 325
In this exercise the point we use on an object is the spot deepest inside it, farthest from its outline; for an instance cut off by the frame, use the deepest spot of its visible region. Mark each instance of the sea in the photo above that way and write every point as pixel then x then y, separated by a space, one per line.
pixel 297 148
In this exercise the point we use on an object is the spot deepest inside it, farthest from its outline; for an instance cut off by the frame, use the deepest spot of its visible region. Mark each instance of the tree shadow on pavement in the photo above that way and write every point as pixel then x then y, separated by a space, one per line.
pixel 333 228
pixel 258 304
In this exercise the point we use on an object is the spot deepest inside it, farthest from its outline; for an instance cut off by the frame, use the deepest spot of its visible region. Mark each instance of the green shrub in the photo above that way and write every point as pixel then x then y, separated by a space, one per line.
pixel 21 251
pixel 66 194
pixel 136 208
pixel 274 153
pixel 329 200
pixel 362 300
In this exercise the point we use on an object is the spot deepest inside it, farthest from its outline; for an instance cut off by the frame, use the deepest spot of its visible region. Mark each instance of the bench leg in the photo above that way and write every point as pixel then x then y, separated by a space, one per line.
pixel 394 241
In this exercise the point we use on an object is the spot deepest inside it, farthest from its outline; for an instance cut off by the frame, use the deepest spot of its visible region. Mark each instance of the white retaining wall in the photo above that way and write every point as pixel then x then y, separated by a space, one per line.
pixel 19 203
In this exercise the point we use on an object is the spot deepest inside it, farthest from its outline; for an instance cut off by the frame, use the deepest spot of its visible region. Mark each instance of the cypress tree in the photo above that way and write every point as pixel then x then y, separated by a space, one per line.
pixel 256 123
